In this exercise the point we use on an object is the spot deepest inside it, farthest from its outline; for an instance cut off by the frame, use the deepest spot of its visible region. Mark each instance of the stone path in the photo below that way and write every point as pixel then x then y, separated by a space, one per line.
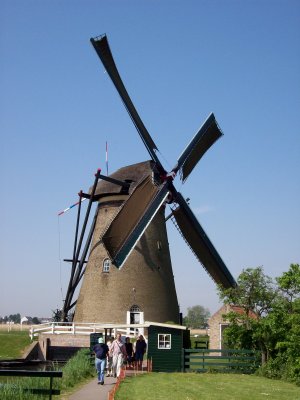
pixel 92 390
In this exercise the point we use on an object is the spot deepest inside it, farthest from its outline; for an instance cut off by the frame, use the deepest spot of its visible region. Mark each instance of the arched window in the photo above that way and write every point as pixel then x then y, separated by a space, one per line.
pixel 106 265
pixel 135 314
pixel 135 308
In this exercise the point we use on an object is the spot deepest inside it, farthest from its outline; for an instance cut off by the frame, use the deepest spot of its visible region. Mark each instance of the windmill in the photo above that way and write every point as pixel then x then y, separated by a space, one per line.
pixel 128 276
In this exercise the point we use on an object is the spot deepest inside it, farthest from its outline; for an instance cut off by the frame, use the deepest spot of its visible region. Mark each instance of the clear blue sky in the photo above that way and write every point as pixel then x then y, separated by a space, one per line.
pixel 179 60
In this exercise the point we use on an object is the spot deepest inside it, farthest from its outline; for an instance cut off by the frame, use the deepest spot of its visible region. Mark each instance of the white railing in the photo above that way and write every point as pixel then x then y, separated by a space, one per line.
pixel 60 328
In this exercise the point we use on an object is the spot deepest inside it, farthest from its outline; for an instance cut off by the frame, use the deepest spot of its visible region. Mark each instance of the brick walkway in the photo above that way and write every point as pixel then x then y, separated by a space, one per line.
pixel 93 391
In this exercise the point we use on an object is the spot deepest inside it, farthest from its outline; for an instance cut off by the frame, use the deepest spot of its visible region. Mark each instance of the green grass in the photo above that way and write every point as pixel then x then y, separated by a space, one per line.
pixel 192 386
pixel 77 369
pixel 13 343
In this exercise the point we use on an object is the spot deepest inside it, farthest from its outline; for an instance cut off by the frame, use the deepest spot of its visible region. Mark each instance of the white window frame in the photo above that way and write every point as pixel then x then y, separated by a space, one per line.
pixel 106 265
pixel 166 340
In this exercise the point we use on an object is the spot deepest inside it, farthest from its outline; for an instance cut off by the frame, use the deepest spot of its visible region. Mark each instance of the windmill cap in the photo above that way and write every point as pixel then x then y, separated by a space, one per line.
pixel 100 340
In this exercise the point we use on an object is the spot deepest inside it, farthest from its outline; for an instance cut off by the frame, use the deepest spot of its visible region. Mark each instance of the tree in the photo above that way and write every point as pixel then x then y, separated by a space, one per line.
pixel 197 317
pixel 255 292
pixel 270 321
pixel 256 295
pixel 288 346
pixel 289 282
pixel 16 318
pixel 56 315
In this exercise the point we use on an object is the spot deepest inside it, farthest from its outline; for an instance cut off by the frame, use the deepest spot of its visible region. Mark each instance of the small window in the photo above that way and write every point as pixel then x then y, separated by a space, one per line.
pixel 135 308
pixel 164 341
pixel 106 265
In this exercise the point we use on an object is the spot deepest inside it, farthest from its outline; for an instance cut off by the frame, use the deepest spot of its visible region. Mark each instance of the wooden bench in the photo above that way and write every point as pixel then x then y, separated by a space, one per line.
pixel 43 374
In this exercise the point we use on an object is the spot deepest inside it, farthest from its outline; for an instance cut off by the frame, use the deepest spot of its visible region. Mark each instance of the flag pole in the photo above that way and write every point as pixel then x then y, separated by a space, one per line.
pixel 106 158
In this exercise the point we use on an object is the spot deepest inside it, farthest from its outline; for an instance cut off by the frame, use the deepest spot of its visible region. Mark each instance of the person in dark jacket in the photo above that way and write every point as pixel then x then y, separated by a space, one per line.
pixel 101 351
pixel 129 351
pixel 140 350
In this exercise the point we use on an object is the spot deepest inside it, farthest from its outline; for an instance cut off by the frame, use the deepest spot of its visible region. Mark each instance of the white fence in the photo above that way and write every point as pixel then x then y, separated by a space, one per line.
pixel 60 328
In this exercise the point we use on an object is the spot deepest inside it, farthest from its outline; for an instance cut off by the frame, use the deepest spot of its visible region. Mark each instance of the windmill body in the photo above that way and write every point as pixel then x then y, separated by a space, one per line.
pixel 128 276
pixel 143 289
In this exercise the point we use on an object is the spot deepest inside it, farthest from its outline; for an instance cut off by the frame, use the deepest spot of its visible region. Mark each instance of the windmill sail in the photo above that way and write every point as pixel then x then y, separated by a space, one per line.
pixel 138 211
pixel 102 48
pixel 125 213
pixel 133 219
pixel 201 245
pixel 207 135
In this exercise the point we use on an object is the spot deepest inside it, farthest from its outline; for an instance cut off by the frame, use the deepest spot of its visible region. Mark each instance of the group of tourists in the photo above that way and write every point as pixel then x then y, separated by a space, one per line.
pixel 112 355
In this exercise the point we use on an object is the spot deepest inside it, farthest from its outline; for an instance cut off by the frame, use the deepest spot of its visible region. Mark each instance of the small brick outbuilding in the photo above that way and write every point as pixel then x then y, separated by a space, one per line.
pixel 217 324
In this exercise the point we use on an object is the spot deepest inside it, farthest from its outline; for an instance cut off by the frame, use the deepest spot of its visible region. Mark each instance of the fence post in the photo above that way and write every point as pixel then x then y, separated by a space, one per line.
pixel 50 394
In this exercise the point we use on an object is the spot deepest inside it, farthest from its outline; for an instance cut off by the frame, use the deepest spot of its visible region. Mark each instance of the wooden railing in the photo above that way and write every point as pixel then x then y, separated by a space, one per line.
pixel 203 360
pixel 43 374
pixel 61 328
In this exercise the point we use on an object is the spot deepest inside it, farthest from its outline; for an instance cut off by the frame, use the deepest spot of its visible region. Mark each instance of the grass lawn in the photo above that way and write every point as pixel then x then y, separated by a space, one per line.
pixel 193 386
pixel 13 343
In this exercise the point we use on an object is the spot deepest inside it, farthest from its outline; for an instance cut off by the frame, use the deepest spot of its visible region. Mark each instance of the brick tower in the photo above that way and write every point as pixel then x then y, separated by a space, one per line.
pixel 143 289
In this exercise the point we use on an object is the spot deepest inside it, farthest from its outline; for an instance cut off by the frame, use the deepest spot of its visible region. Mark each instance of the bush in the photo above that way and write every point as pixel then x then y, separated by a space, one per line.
pixel 281 368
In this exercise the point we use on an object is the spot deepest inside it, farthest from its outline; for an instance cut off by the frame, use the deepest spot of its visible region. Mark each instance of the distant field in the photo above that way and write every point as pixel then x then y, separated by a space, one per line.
pixel 14 327
pixel 13 343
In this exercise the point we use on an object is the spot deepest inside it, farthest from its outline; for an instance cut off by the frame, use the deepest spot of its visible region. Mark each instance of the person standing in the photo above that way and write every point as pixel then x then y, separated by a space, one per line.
pixel 109 371
pixel 118 353
pixel 101 351
pixel 140 350
pixel 129 351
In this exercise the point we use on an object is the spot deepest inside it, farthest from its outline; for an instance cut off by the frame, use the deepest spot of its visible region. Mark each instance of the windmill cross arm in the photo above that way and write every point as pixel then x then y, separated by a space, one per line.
pixel 115 181
pixel 71 260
